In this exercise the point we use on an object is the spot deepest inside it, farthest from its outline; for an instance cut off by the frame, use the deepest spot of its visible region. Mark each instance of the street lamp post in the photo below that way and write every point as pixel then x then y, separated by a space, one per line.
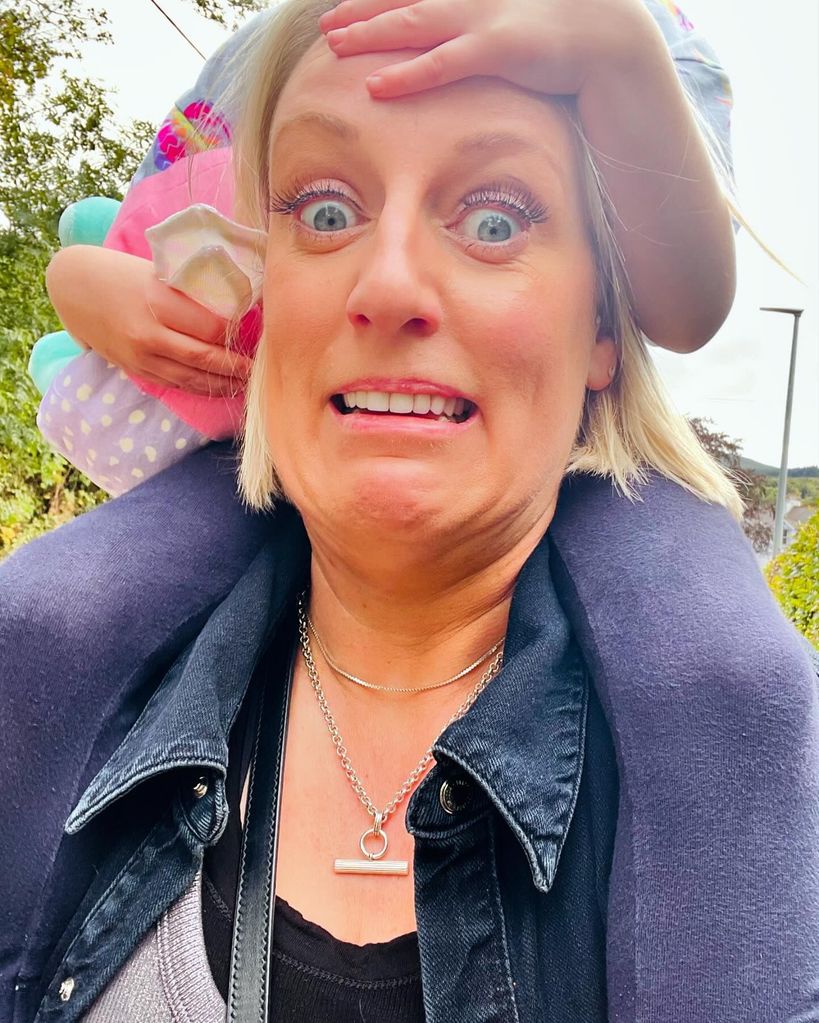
pixel 779 519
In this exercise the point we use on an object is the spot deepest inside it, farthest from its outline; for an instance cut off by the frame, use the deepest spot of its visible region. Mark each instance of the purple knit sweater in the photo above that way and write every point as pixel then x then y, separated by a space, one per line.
pixel 710 696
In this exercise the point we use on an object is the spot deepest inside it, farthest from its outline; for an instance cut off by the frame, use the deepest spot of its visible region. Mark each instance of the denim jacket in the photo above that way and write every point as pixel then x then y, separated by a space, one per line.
pixel 511 887
pixel 711 700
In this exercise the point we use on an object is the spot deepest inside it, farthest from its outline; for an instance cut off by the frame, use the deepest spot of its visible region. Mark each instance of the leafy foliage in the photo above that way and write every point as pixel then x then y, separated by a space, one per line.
pixel 804 488
pixel 758 519
pixel 215 9
pixel 59 142
pixel 794 578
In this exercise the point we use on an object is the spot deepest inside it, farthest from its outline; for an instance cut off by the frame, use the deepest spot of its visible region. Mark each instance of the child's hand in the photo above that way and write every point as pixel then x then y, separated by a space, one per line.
pixel 549 46
pixel 113 303
pixel 672 224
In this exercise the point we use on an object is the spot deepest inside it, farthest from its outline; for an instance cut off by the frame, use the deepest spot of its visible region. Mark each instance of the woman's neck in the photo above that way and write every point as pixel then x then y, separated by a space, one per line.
pixel 408 618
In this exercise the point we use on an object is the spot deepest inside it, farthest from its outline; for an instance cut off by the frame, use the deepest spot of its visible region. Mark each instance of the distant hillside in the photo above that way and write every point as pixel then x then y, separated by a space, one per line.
pixel 809 471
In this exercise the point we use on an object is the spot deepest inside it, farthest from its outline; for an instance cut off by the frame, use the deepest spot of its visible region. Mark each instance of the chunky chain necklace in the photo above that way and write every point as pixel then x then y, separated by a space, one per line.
pixel 373 861
pixel 395 689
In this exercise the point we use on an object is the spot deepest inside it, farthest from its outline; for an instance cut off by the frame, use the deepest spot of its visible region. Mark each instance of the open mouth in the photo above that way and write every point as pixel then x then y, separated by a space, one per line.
pixel 432 407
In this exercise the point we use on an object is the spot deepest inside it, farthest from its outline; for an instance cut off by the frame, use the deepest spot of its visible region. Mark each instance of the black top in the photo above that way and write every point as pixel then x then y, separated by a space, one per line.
pixel 315 976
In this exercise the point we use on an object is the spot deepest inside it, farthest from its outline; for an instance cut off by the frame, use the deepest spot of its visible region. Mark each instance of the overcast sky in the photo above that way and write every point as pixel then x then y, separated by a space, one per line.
pixel 739 380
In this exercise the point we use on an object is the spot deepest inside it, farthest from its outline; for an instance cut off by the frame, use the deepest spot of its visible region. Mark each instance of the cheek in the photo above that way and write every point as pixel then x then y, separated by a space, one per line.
pixel 304 315
pixel 537 338
pixel 303 312
pixel 291 323
pixel 299 304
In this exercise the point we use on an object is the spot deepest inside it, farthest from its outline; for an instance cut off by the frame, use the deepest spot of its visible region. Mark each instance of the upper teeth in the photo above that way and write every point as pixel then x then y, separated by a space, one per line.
pixel 403 404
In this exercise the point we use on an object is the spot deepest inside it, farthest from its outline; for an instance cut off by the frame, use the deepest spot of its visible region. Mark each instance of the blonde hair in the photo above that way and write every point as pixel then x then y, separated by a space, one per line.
pixel 625 431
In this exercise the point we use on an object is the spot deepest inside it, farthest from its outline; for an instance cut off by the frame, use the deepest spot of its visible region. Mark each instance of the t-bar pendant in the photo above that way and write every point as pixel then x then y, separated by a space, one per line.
pixel 373 863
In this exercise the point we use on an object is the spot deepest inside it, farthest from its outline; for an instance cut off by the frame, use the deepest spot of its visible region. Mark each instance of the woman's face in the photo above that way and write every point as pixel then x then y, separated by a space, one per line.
pixel 425 253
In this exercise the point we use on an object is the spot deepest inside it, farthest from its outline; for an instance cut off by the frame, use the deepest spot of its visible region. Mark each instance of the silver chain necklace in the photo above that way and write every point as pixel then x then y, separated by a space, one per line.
pixel 395 689
pixel 373 861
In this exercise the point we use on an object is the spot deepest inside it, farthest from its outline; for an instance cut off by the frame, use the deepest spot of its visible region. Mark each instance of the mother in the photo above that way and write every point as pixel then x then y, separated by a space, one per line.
pixel 443 336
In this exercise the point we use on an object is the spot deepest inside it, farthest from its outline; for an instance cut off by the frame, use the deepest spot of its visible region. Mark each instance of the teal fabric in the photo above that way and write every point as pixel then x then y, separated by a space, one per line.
pixel 49 356
pixel 87 222
pixel 82 223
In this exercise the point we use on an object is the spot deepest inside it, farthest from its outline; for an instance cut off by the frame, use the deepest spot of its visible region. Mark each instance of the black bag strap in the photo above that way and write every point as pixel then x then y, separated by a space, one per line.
pixel 249 985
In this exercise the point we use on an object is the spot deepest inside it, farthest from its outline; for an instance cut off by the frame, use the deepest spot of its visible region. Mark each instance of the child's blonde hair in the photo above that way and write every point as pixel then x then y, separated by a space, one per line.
pixel 626 430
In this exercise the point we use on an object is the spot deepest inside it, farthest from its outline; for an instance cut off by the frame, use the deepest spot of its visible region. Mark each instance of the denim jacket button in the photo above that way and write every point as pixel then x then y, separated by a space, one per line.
pixel 200 789
pixel 67 989
pixel 454 795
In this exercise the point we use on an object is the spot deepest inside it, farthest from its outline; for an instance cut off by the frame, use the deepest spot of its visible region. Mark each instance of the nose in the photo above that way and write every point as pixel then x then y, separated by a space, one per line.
pixel 395 294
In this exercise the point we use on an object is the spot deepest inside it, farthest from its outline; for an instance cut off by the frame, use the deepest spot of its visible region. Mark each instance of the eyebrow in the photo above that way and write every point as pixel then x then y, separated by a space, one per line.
pixel 493 143
pixel 328 123
pixel 490 140
pixel 484 144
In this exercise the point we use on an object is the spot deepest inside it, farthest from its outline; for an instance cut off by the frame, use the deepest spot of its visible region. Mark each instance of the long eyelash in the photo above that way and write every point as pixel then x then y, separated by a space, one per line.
pixel 292 200
pixel 518 199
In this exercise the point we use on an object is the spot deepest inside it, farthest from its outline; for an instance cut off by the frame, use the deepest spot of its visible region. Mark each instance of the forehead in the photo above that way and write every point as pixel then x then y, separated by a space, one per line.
pixel 326 95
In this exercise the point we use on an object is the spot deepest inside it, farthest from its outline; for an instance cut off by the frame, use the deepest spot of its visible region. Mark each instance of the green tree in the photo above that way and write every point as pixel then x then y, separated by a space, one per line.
pixel 794 578
pixel 59 142
pixel 220 10
pixel 757 521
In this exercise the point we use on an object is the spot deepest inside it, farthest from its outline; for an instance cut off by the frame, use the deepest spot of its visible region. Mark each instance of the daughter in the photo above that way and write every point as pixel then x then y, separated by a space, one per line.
pixel 160 381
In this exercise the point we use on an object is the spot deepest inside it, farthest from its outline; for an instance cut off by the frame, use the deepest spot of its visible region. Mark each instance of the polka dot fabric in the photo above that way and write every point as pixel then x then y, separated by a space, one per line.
pixel 105 426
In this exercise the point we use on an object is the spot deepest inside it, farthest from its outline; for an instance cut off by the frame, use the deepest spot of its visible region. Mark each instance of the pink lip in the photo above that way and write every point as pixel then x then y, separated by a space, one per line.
pixel 404 385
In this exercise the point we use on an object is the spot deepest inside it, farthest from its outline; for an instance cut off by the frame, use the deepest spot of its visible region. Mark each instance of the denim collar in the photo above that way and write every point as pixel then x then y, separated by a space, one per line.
pixel 522 741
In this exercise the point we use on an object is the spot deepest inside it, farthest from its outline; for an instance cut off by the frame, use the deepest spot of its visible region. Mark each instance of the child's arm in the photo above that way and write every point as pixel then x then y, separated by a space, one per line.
pixel 113 303
pixel 92 411
pixel 107 300
pixel 673 223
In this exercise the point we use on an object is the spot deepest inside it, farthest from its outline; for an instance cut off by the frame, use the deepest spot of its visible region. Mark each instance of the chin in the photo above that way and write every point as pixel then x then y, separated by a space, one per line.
pixel 399 497
pixel 381 499
pixel 399 514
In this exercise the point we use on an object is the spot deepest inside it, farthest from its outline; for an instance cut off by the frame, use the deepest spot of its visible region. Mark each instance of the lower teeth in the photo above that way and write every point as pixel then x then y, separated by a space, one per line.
pixel 412 415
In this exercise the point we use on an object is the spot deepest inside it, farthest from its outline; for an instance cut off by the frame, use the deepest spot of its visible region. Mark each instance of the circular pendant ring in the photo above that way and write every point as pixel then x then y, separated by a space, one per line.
pixel 374 833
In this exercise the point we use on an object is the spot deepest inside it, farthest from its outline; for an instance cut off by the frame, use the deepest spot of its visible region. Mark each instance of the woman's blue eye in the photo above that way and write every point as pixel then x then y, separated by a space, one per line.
pixel 488 225
pixel 328 215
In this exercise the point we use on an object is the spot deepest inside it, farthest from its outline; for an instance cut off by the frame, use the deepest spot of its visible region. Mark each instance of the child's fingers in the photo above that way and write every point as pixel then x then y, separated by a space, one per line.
pixel 180 313
pixel 177 375
pixel 349 11
pixel 150 378
pixel 188 378
pixel 213 359
pixel 449 62
pixel 416 27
